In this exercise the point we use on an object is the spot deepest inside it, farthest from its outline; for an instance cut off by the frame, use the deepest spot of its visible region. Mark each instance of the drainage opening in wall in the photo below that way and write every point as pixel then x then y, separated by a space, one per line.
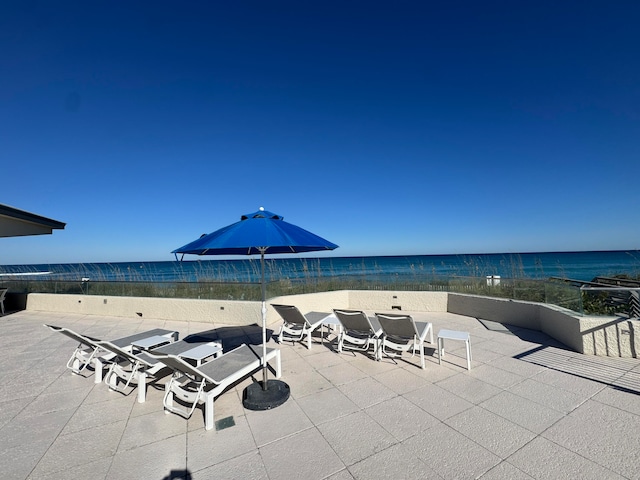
pixel 396 307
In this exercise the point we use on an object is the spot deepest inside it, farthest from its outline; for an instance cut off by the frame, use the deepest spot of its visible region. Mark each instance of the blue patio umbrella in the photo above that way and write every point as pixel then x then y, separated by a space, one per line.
pixel 261 233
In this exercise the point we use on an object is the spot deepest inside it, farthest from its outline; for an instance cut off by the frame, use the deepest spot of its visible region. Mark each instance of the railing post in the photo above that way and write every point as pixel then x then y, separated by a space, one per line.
pixel 634 304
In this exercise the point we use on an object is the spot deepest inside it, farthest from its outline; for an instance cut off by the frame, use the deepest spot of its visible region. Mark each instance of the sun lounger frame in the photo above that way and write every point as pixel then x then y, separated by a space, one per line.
pixel 88 349
pixel 201 385
pixel 295 325
pixel 86 352
pixel 358 332
pixel 402 333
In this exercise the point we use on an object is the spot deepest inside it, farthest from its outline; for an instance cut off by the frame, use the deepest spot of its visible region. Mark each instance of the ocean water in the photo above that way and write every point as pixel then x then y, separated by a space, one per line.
pixel 573 265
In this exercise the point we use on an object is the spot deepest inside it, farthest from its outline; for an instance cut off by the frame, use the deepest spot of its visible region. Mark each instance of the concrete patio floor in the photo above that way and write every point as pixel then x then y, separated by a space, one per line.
pixel 529 408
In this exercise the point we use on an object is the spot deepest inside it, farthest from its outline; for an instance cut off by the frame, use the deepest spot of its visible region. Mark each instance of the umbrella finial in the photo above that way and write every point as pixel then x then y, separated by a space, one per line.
pixel 261 209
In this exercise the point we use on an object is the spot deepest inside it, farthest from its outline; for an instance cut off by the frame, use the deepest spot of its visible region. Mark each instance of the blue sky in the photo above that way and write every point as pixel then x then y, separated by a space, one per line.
pixel 389 128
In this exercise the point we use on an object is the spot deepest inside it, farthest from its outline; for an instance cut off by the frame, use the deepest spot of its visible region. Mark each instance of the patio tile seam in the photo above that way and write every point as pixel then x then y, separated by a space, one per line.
pixel 117 449
pixel 77 465
pixel 588 459
pixel 60 435
pixel 563 412
pixel 364 410
pixel 507 462
pixel 505 388
pixel 394 443
pixel 496 363
pixel 537 434
pixel 225 459
pixel 613 406
pixel 487 449
pixel 427 466
pixel 288 435
pixel 441 420
pixel 24 407
pixel 406 390
pixel 345 469
pixel 477 402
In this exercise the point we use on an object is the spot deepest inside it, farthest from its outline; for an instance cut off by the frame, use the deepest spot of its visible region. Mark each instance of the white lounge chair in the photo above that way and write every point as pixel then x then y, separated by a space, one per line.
pixel 401 333
pixel 134 369
pixel 137 369
pixel 88 352
pixel 359 332
pixel 201 385
pixel 295 325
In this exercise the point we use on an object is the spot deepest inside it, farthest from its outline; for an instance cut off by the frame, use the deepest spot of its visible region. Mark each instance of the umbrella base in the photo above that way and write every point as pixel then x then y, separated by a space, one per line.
pixel 256 398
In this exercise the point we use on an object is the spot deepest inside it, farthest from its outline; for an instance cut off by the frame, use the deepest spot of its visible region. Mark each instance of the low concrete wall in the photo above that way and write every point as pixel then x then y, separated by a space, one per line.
pixel 613 337
pixel 229 312
pixel 555 322
pixel 561 325
pixel 604 336
pixel 362 300
pixel 591 335
pixel 234 312
pixel 398 300
pixel 520 314
pixel 309 302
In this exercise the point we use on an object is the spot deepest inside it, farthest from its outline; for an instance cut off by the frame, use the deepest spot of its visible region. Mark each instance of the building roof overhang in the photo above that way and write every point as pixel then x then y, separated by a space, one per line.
pixel 18 223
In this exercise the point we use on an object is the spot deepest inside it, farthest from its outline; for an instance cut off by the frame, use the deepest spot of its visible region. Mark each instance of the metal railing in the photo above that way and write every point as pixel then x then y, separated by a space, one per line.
pixel 583 298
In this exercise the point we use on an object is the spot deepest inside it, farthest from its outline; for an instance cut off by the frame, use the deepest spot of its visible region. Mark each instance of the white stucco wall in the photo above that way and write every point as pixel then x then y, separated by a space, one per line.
pixel 229 312
pixel 590 335
pixel 610 336
pixel 310 302
pixel 391 300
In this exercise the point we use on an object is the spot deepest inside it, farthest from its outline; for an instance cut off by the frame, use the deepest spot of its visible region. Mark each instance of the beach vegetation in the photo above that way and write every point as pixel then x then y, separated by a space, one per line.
pixel 240 281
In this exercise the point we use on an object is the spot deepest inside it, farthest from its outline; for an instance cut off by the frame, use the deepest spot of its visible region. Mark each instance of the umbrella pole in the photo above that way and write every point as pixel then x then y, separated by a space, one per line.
pixel 275 392
pixel 264 324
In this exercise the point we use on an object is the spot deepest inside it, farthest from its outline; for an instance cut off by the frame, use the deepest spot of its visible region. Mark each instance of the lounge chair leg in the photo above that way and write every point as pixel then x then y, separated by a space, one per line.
pixel 111 379
pixel 278 364
pixel 208 412
pixel 75 366
pixel 97 376
pixel 168 398
pixel 142 387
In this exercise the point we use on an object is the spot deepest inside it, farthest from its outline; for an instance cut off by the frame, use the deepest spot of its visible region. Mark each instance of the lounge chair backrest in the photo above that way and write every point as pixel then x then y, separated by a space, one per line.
pixel 215 371
pixel 83 339
pixel 291 314
pixel 397 325
pixel 354 320
pixel 179 365
pixel 144 358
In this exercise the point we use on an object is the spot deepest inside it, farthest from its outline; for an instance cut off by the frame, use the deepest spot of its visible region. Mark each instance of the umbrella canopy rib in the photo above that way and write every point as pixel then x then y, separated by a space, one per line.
pixel 261 232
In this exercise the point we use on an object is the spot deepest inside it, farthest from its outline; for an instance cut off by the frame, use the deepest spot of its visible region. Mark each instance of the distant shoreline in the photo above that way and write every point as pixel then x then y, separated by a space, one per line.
pixel 539 265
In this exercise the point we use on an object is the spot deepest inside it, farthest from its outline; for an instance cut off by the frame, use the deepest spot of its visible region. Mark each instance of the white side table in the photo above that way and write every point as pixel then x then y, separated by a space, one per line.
pixel 200 353
pixel 151 342
pixel 331 322
pixel 454 335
